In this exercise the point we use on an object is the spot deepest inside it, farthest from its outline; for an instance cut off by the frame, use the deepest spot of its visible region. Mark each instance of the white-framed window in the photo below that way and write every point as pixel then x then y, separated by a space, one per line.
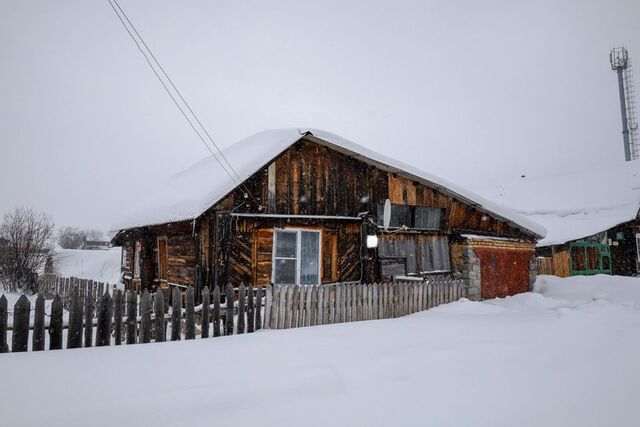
pixel 296 256
pixel 638 246
pixel 136 260
pixel 123 261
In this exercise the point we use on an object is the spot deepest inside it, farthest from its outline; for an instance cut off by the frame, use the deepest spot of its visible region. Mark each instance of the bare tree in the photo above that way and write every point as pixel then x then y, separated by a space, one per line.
pixel 28 235
pixel 71 238
pixel 74 238
pixel 93 235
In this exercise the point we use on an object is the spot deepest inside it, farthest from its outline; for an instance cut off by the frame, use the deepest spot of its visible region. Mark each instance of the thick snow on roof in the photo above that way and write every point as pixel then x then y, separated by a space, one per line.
pixel 574 205
pixel 188 194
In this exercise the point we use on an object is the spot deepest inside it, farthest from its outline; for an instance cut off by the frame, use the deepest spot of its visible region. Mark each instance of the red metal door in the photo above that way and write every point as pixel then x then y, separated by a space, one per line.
pixel 504 272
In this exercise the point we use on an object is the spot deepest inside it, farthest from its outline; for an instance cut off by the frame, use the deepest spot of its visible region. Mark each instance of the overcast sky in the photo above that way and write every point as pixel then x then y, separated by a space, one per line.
pixel 477 92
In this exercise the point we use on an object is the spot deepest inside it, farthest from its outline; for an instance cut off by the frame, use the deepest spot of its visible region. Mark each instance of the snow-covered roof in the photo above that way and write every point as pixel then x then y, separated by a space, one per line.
pixel 190 193
pixel 574 205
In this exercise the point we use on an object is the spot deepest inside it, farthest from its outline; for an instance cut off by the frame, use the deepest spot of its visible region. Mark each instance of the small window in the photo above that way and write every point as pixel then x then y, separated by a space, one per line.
pixel 401 215
pixel 638 246
pixel 296 257
pixel 620 235
pixel 428 218
pixel 123 261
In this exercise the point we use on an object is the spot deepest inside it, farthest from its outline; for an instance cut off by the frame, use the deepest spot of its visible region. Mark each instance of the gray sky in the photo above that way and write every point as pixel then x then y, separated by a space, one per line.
pixel 477 92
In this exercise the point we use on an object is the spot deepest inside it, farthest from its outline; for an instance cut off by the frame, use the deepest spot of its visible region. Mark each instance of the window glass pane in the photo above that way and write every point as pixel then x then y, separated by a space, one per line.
pixel 286 244
pixel 428 218
pixel 400 215
pixel 309 258
pixel 285 270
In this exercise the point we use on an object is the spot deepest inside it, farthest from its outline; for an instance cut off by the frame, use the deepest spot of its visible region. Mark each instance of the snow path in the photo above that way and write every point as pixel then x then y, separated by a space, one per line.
pixel 559 358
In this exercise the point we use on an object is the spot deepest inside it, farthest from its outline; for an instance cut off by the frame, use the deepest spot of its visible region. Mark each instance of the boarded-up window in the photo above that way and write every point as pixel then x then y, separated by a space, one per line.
pixel 435 254
pixel 402 250
pixel 162 258
pixel 428 218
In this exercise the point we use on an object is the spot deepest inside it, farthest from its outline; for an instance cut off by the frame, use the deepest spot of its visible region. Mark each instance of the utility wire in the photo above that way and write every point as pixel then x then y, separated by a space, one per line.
pixel 228 167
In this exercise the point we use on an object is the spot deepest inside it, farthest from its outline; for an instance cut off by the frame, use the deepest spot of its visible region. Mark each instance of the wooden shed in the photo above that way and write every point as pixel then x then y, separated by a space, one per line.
pixel 305 207
pixel 591 218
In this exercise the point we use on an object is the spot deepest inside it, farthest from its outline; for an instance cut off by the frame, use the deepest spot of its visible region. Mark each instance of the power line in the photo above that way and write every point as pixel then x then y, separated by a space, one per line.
pixel 175 88
pixel 236 179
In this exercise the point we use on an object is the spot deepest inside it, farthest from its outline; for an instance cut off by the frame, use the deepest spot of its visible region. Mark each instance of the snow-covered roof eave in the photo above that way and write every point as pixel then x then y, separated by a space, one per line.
pixel 268 145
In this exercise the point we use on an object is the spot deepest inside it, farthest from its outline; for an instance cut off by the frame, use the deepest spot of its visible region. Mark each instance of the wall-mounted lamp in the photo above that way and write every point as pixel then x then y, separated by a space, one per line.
pixel 372 241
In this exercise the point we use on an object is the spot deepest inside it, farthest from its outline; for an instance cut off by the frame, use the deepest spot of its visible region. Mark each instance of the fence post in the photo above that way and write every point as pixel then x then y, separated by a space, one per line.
pixel 251 320
pixel 307 306
pixel 117 316
pixel 103 327
pixel 158 311
pixel 228 317
pixel 271 309
pixel 20 336
pixel 332 304
pixel 313 307
pixel 55 324
pixel 144 336
pixel 176 313
pixel 268 303
pixel 74 333
pixel 282 300
pixel 204 324
pixel 241 308
pixel 287 299
pixel 4 317
pixel 258 307
pixel 295 305
pixel 131 317
pixel 88 317
pixel 190 315
pixel 38 325
pixel 216 311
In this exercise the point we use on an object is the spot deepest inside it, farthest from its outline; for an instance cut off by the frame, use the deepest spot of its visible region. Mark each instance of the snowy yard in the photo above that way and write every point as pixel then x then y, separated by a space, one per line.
pixel 567 356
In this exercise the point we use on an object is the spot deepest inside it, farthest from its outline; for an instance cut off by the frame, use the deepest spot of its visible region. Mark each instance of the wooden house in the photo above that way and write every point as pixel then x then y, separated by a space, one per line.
pixel 591 218
pixel 306 207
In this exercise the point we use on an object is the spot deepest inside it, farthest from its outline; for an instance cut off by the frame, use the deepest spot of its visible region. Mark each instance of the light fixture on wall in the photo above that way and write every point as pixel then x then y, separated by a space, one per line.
pixel 372 241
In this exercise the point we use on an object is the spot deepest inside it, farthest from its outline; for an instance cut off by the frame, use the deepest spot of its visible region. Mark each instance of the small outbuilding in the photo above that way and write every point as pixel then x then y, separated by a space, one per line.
pixel 591 218
pixel 306 207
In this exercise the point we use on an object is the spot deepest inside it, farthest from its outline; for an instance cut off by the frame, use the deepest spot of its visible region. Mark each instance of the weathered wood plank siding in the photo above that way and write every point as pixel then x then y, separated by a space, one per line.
pixel 313 179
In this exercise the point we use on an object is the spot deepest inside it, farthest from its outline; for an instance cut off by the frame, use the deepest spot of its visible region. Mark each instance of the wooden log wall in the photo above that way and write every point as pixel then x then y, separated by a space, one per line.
pixel 307 179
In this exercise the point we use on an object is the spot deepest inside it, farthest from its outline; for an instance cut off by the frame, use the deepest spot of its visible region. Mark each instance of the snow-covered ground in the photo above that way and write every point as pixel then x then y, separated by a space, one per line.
pixel 566 356
pixel 98 265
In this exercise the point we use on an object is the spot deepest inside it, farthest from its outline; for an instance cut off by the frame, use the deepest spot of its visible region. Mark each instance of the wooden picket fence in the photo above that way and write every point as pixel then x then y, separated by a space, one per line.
pixel 126 318
pixel 290 306
pixel 50 285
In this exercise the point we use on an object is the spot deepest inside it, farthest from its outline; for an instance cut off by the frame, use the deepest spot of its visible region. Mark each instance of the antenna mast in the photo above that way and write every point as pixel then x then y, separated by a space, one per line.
pixel 621 64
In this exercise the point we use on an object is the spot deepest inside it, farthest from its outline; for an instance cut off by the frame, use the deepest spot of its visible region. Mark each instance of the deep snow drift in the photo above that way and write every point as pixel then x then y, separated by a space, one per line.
pixel 566 356
pixel 98 265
